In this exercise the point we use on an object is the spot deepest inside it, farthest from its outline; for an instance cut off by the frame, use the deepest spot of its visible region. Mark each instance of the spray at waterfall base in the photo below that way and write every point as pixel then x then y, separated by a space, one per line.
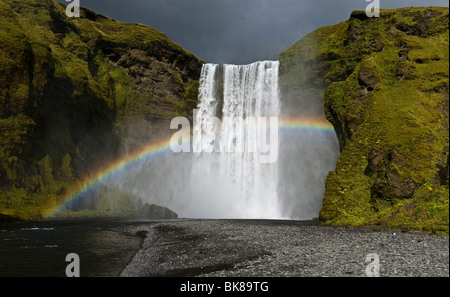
pixel 240 167
pixel 247 161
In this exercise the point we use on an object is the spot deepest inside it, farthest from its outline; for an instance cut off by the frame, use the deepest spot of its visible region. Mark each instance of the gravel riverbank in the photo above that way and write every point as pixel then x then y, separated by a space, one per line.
pixel 261 248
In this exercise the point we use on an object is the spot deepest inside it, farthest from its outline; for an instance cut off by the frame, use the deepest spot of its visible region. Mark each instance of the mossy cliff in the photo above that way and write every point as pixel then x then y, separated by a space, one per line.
pixel 384 85
pixel 76 93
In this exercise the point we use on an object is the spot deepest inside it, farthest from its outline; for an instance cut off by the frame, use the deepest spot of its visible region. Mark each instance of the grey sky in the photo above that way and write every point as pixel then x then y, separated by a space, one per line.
pixel 238 31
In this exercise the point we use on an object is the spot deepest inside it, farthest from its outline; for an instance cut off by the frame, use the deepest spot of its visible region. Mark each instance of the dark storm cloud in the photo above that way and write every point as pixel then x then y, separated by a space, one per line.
pixel 237 31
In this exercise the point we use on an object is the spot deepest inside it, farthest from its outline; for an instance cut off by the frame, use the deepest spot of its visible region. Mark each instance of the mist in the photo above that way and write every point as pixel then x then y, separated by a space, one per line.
pixel 224 185
pixel 239 32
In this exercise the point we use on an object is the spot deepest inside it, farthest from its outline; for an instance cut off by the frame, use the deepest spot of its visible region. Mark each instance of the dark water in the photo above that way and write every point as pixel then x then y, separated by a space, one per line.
pixel 39 249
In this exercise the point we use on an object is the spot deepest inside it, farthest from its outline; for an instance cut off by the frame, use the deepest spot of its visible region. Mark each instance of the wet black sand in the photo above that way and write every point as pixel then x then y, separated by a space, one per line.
pixel 264 248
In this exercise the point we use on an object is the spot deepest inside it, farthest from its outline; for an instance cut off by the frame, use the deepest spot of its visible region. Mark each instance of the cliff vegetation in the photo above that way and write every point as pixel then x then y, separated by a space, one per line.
pixel 76 93
pixel 384 85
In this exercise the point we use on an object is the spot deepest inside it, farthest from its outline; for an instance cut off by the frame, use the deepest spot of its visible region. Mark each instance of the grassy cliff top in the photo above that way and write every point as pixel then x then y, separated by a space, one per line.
pixel 76 93
pixel 384 85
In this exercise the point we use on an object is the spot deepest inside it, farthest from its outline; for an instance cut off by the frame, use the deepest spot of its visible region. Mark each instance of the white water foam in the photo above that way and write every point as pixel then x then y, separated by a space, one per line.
pixel 230 183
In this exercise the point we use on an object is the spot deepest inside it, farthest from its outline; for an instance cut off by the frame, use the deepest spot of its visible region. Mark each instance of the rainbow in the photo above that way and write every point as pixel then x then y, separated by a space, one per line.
pixel 154 149
pixel 307 124
pixel 151 150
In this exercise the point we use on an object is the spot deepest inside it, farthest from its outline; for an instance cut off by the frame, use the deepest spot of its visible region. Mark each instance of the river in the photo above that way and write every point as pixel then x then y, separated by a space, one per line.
pixel 39 248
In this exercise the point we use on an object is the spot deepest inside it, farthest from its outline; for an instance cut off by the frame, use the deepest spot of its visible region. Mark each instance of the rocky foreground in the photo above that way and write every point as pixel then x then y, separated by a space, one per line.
pixel 257 248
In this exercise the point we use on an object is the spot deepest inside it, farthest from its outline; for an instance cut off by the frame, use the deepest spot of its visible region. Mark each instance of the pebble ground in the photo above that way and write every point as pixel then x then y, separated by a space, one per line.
pixel 259 248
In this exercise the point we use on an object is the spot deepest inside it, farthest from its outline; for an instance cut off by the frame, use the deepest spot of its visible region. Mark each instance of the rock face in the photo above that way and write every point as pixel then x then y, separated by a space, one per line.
pixel 383 83
pixel 76 93
pixel 155 212
pixel 7 218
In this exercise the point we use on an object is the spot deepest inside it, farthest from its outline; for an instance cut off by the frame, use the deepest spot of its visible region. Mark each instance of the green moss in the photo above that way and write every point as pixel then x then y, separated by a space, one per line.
pixel 66 168
pixel 69 87
pixel 391 120
pixel 73 43
pixel 190 95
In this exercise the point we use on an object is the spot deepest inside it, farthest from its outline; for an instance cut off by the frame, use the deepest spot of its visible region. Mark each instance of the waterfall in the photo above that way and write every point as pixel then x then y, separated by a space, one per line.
pixel 227 179
pixel 223 175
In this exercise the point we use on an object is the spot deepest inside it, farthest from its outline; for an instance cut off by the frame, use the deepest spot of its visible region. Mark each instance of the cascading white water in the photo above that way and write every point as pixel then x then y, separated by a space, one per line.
pixel 219 180
pixel 232 183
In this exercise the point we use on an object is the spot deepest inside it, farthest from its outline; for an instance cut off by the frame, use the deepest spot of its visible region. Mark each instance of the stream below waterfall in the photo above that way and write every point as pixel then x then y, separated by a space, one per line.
pixel 39 248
